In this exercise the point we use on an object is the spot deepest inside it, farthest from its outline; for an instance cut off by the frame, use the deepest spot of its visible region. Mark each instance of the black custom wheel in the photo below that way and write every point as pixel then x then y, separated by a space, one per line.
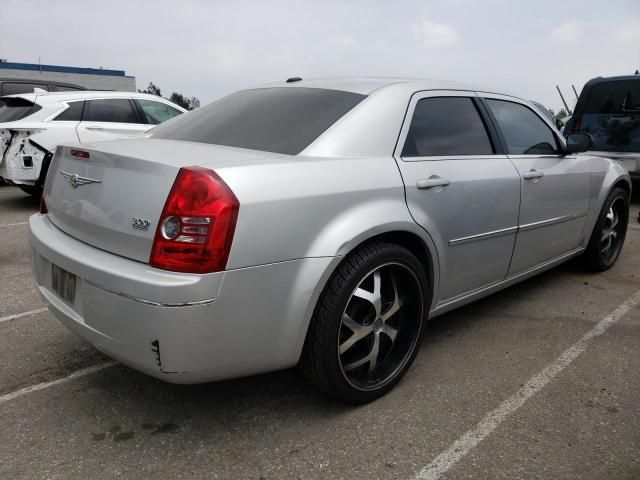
pixel 366 329
pixel 609 232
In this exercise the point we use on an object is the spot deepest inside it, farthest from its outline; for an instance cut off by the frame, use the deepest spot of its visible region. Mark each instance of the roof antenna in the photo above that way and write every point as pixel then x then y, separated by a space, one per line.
pixel 294 79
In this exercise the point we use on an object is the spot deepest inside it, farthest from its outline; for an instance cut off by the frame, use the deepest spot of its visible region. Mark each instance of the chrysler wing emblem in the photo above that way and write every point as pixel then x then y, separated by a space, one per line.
pixel 76 180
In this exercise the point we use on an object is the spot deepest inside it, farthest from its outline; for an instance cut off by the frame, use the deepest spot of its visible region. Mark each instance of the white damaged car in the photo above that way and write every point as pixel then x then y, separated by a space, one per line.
pixel 33 124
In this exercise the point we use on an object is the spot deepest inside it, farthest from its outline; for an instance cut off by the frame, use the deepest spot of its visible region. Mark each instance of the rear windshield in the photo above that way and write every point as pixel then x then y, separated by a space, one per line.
pixel 612 116
pixel 15 108
pixel 280 120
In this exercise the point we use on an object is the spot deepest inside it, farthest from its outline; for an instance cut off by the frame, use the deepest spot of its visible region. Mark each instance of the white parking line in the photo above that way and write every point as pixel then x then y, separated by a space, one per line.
pixel 23 314
pixel 467 442
pixel 41 386
pixel 13 224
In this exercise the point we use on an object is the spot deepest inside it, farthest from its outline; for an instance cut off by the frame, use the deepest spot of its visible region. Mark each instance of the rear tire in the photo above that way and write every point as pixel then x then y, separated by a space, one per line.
pixel 366 329
pixel 609 232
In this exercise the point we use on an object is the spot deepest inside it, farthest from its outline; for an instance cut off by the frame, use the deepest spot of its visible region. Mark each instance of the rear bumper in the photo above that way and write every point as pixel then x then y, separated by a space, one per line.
pixel 181 328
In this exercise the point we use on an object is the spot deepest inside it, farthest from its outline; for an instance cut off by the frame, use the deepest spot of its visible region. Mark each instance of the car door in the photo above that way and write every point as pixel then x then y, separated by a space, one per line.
pixel 460 187
pixel 109 118
pixel 154 113
pixel 555 187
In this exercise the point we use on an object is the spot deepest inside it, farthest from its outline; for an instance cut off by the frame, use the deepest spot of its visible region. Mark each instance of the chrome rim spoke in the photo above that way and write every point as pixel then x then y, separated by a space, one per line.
pixel 375 297
pixel 359 332
pixel 370 349
pixel 371 358
pixel 390 332
pixel 395 306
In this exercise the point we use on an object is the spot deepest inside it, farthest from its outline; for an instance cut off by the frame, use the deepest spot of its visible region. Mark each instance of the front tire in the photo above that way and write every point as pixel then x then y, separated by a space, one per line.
pixel 366 329
pixel 609 232
pixel 33 190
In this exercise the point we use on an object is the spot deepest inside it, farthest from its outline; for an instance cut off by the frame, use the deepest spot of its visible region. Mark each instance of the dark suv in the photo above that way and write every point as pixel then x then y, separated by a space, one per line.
pixel 13 86
pixel 609 110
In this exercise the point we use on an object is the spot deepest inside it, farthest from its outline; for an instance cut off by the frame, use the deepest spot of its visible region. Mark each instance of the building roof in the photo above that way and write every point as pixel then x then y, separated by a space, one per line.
pixel 60 69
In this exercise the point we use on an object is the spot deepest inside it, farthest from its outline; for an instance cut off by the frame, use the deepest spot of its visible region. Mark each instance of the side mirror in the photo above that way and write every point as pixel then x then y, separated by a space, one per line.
pixel 559 124
pixel 579 142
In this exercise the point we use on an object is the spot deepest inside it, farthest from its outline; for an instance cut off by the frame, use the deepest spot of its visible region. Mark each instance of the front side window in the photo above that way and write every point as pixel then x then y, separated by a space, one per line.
pixel 156 112
pixel 16 108
pixel 446 126
pixel 280 120
pixel 612 116
pixel 117 110
pixel 524 132
pixel 71 114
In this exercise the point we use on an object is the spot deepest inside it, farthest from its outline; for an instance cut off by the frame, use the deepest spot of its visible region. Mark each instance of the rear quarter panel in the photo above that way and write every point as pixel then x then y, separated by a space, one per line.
pixel 313 207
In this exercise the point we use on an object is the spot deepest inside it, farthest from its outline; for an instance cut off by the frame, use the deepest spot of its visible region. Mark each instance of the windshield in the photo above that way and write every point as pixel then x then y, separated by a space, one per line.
pixel 612 116
pixel 16 108
pixel 279 120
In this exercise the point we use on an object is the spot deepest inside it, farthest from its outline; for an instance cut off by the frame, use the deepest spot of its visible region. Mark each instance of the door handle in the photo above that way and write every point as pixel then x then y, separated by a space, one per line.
pixel 532 174
pixel 95 128
pixel 433 181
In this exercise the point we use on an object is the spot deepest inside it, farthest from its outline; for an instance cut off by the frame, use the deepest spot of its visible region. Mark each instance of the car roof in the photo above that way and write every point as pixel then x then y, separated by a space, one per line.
pixel 54 97
pixel 367 85
pixel 597 80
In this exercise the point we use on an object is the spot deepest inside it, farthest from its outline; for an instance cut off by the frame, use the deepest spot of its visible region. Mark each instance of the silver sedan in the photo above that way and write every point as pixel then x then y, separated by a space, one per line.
pixel 315 223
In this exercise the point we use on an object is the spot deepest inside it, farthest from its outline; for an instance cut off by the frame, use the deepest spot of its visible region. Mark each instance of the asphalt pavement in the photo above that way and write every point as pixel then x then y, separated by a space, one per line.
pixel 539 381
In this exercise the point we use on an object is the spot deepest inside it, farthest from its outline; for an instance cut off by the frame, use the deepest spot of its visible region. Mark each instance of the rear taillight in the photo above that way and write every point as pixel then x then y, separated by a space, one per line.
pixel 196 227
pixel 80 154
pixel 43 205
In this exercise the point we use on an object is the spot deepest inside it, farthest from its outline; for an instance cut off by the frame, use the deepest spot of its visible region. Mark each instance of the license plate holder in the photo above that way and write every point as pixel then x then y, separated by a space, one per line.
pixel 63 283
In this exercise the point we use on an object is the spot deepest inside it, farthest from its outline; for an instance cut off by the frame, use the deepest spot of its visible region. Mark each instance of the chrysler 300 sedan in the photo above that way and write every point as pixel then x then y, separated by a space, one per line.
pixel 314 223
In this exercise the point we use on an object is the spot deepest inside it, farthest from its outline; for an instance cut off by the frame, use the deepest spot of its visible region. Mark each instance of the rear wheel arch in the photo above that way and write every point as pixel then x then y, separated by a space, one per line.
pixel 418 246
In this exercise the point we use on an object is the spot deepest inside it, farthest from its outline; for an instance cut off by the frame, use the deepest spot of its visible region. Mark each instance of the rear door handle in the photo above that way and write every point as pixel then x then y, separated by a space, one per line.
pixel 532 174
pixel 95 128
pixel 431 182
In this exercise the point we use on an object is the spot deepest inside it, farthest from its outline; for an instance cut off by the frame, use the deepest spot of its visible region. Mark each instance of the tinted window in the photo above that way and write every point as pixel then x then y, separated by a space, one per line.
pixel 10 88
pixel 156 112
pixel 612 116
pixel 524 131
pixel 71 114
pixel 12 109
pixel 112 110
pixel 67 88
pixel 446 126
pixel 280 120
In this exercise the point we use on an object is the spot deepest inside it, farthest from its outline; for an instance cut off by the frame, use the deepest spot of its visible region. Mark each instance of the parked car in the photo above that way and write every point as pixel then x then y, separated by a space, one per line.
pixel 559 124
pixel 315 223
pixel 609 110
pixel 33 124
pixel 13 86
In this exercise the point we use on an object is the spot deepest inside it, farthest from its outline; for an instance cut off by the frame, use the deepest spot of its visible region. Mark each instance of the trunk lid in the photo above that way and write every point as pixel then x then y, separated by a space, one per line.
pixel 113 199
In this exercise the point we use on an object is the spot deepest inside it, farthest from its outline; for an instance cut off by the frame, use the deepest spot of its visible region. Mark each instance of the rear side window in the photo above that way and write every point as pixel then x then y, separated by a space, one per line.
pixel 612 116
pixel 67 88
pixel 281 120
pixel 446 126
pixel 117 110
pixel 12 109
pixel 13 88
pixel 71 114
pixel 524 131
pixel 156 112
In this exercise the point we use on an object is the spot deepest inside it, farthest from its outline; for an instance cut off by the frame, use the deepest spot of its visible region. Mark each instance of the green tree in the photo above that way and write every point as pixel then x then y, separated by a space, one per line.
pixel 152 89
pixel 188 103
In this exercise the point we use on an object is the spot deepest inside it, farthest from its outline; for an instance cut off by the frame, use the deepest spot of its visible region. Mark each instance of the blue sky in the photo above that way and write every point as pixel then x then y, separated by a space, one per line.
pixel 210 48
